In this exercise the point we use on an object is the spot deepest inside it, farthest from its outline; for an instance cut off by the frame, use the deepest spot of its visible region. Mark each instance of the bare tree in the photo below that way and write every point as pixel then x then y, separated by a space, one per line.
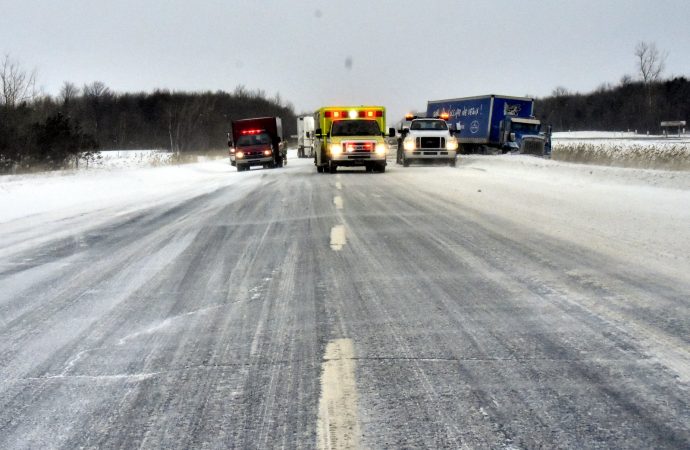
pixel 560 91
pixel 95 94
pixel 16 84
pixel 650 61
pixel 68 92
pixel 96 89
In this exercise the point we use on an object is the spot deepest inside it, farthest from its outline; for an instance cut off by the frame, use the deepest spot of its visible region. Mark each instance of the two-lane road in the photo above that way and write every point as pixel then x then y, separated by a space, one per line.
pixel 492 305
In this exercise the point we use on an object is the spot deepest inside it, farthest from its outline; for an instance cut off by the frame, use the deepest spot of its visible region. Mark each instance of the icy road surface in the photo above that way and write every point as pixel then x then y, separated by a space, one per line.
pixel 510 302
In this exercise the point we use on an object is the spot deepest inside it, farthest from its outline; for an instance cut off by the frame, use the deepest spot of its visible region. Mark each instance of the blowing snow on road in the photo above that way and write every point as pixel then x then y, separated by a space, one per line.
pixel 509 302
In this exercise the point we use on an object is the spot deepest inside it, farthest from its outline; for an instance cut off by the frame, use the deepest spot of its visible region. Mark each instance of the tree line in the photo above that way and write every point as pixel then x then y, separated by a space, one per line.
pixel 631 105
pixel 638 103
pixel 42 131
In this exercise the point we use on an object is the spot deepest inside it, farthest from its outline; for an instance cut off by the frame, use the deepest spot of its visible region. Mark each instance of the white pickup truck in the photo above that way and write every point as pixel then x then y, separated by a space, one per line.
pixel 427 140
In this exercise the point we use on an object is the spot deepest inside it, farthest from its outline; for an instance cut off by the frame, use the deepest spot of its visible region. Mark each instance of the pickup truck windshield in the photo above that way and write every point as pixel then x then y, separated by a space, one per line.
pixel 428 125
pixel 355 128
pixel 253 139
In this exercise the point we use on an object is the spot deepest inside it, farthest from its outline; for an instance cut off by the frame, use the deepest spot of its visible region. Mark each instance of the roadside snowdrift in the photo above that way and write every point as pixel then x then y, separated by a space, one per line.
pixel 622 150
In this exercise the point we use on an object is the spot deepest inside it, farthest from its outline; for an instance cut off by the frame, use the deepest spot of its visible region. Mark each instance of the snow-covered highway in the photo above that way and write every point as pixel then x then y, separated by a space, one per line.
pixel 510 302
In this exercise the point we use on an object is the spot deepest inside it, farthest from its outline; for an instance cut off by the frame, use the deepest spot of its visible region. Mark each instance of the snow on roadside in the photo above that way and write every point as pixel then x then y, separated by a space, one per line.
pixel 86 190
pixel 112 159
pixel 622 150
pixel 634 215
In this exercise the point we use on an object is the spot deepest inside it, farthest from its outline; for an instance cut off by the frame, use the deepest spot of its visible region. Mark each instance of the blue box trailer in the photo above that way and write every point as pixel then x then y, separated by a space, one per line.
pixel 493 122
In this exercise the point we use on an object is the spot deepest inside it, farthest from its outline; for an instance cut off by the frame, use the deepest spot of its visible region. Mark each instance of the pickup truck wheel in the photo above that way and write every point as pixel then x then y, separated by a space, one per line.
pixel 405 161
pixel 319 169
pixel 382 168
pixel 452 162
pixel 332 167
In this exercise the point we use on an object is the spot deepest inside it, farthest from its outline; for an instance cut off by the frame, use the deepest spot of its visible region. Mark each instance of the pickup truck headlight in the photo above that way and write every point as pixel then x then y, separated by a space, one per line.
pixel 452 144
pixel 380 149
pixel 336 149
pixel 239 155
pixel 408 144
pixel 267 152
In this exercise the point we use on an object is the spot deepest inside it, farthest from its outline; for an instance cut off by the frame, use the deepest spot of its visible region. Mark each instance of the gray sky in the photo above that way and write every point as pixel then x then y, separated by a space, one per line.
pixel 402 52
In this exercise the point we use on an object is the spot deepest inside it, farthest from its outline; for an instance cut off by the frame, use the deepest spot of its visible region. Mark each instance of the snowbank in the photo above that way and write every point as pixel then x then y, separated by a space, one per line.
pixel 635 151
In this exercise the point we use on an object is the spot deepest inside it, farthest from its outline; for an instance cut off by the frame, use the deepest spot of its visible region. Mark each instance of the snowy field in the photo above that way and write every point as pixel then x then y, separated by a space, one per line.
pixel 623 149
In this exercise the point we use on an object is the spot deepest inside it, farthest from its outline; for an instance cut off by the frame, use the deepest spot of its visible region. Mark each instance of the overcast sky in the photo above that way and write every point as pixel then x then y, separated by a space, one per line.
pixel 398 53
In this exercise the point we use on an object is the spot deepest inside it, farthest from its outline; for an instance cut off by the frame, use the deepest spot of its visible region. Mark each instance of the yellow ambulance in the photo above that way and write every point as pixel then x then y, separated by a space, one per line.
pixel 347 136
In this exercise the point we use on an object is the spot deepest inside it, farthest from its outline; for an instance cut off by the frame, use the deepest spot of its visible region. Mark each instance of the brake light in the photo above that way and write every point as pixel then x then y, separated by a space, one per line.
pixel 251 131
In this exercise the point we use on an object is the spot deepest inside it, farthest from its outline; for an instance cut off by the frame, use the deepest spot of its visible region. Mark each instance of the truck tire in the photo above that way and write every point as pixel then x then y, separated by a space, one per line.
pixel 319 169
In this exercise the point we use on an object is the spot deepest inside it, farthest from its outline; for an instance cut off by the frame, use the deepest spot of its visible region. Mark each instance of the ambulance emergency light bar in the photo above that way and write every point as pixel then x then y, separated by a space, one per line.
pixel 354 114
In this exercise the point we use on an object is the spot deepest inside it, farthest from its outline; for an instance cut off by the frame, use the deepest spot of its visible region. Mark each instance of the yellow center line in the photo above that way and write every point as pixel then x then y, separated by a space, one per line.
pixel 338 423
pixel 338 239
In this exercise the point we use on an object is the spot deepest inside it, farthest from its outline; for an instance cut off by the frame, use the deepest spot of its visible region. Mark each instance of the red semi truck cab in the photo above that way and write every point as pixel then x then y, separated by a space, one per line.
pixel 257 142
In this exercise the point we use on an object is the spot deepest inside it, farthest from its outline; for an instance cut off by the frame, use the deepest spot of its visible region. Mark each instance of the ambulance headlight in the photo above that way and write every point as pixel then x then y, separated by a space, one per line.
pixel 380 149
pixel 336 149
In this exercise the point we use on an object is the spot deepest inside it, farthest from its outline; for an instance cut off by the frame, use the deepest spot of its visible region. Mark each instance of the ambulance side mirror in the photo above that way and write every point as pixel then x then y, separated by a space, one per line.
pixel 318 133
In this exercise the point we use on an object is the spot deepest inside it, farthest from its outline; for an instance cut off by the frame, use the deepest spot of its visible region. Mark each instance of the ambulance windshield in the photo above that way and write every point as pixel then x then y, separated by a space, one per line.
pixel 355 128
